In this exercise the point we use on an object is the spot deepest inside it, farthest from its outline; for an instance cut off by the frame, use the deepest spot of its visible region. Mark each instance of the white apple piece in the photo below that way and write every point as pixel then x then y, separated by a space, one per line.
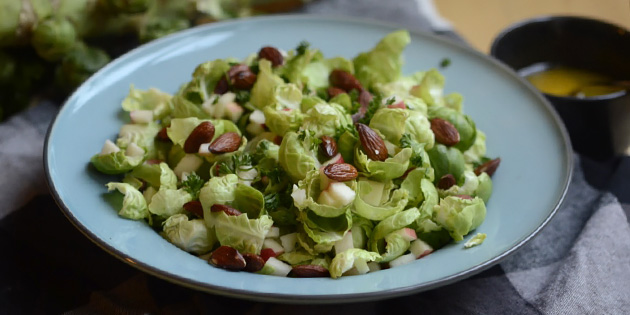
pixel 204 149
pixel 209 105
pixel 407 234
pixel 233 111
pixel 256 122
pixel 342 193
pixel 391 148
pixel 246 177
pixel 362 266
pixel 335 160
pixel 344 244
pixel 288 241
pixel 273 245
pixel 420 248
pixel 141 116
pixel 299 196
pixel 189 163
pixel 109 147
pixel 374 266
pixel 274 232
pixel 134 150
pixel 280 268
pixel 402 260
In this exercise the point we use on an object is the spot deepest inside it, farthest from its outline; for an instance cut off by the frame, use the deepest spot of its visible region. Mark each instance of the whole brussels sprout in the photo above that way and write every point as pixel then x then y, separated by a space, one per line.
pixel 53 38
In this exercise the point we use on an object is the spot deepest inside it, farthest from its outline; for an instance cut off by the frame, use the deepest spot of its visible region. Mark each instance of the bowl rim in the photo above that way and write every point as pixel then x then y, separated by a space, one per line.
pixel 318 299
pixel 550 18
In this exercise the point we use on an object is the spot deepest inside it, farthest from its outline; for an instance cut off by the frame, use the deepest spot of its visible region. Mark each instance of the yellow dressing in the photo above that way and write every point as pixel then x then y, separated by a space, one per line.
pixel 565 81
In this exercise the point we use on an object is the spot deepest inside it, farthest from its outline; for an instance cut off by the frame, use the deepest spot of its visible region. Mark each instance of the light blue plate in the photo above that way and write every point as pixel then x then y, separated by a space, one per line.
pixel 521 129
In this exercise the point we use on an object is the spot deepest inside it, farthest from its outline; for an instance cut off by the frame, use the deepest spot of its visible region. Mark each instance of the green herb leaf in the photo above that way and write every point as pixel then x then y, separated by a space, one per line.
pixel 302 47
pixel 445 62
pixel 193 184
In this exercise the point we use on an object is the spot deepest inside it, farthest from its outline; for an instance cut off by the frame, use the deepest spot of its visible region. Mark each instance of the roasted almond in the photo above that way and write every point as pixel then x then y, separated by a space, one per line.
pixel 328 146
pixel 309 271
pixel 272 54
pixel 162 135
pixel 489 167
pixel 344 80
pixel 253 262
pixel 222 86
pixel 194 207
pixel 227 142
pixel 445 133
pixel 447 181
pixel 372 143
pixel 227 209
pixel 203 133
pixel 365 98
pixel 228 258
pixel 341 172
pixel 334 91
pixel 244 80
pixel 236 69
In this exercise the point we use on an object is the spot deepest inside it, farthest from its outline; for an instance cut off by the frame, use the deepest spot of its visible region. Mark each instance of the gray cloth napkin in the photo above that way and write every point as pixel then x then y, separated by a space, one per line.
pixel 579 264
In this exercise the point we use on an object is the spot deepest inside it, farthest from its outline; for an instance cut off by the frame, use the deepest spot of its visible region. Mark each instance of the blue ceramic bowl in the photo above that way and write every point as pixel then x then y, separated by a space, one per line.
pixel 521 128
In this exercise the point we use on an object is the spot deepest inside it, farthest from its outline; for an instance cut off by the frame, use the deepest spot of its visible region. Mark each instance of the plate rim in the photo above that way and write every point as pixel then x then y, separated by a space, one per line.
pixel 323 298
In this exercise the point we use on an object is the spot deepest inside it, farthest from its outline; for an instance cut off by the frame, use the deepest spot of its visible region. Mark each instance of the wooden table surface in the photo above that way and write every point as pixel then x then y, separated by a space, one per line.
pixel 479 21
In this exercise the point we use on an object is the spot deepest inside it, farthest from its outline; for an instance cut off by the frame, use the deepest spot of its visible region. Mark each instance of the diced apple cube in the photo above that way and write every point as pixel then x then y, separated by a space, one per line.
pixel 402 260
pixel 342 193
pixel 189 163
pixel 374 266
pixel 420 248
pixel 344 244
pixel 288 241
pixel 247 176
pixel 273 244
pixel 257 117
pixel 274 232
pixel 407 234
pixel 141 116
pixel 134 150
pixel 298 195
pixel 280 268
pixel 362 266
pixel 109 147
pixel 233 111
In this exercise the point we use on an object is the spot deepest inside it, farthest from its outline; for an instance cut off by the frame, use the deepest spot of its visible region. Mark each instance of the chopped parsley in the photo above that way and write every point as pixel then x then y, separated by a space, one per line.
pixel 445 63
pixel 302 47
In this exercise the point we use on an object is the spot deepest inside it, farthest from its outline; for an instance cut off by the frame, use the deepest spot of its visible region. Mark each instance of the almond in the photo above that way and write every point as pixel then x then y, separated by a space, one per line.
pixel 222 86
pixel 445 132
pixel 328 146
pixel 227 142
pixel 227 209
pixel 228 258
pixel 309 271
pixel 253 262
pixel 162 135
pixel 203 133
pixel 334 91
pixel 344 80
pixel 236 69
pixel 194 207
pixel 272 54
pixel 341 172
pixel 244 80
pixel 489 167
pixel 447 181
pixel 371 143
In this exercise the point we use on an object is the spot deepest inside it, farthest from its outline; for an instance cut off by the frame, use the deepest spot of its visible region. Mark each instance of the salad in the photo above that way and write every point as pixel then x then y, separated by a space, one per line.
pixel 294 164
